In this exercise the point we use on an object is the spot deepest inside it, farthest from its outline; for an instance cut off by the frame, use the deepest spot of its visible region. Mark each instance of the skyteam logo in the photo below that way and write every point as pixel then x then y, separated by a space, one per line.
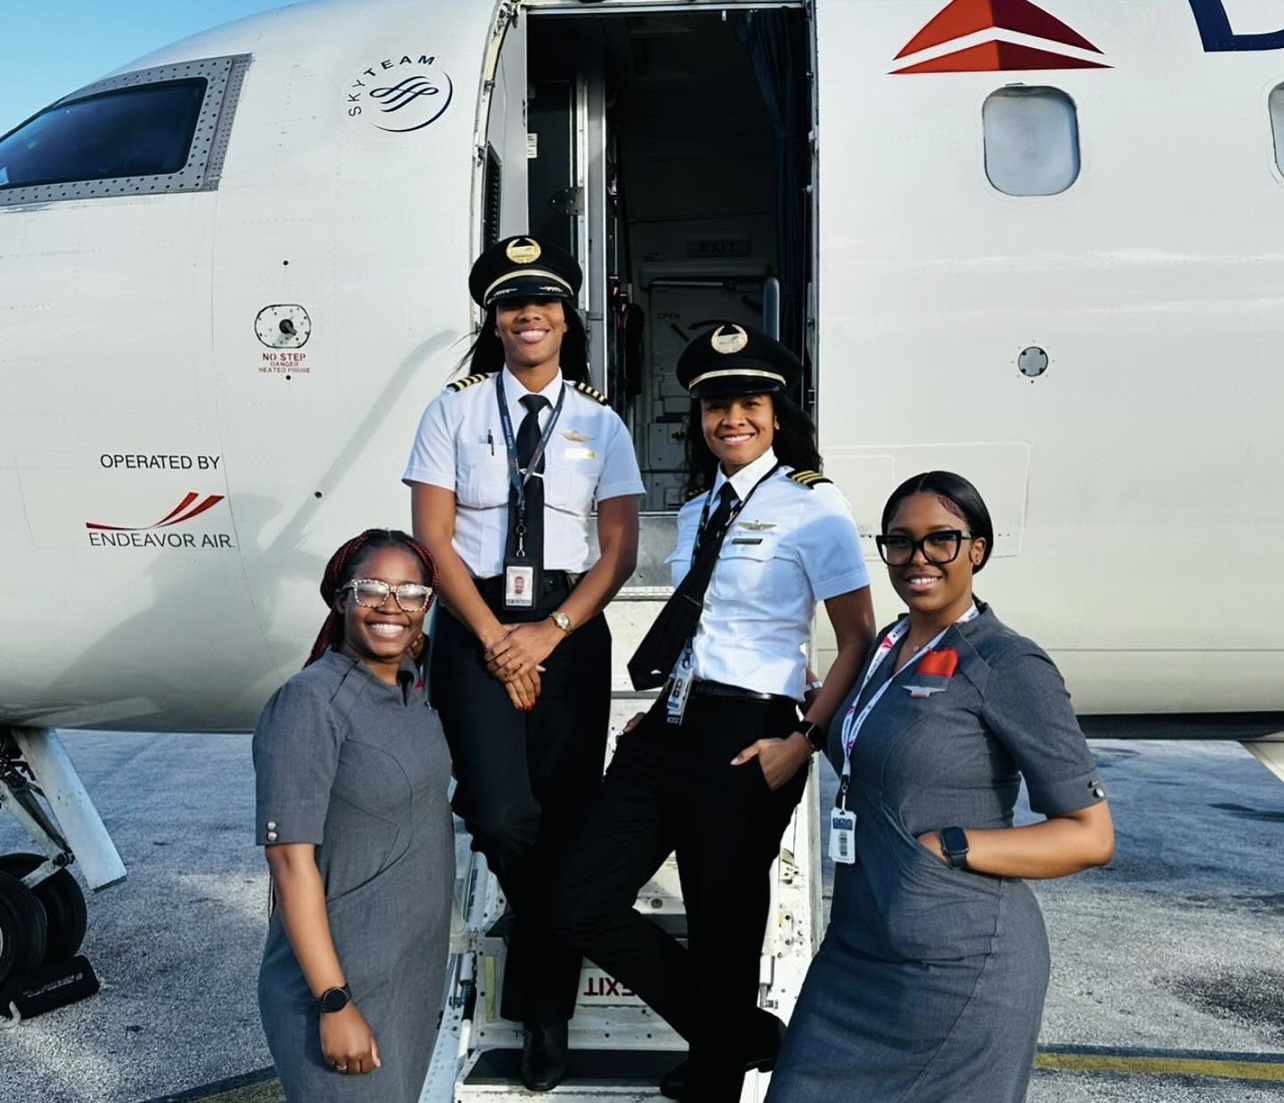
pixel 402 94
pixel 997 36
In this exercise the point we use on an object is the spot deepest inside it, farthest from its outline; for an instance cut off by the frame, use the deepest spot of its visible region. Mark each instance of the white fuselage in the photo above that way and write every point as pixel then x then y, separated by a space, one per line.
pixel 1135 482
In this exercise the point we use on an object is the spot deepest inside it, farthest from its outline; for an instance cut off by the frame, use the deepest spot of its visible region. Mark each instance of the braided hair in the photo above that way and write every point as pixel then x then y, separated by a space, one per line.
pixel 341 568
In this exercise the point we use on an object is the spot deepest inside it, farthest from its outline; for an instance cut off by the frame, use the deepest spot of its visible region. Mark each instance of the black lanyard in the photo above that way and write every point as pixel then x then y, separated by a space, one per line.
pixel 516 478
pixel 731 517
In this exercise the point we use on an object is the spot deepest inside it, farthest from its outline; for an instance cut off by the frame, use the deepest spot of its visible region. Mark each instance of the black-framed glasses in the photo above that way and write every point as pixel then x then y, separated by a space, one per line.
pixel 371 593
pixel 938 547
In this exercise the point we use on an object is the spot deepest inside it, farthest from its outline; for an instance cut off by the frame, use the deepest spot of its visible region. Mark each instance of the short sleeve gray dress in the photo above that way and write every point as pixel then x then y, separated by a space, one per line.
pixel 360 769
pixel 930 982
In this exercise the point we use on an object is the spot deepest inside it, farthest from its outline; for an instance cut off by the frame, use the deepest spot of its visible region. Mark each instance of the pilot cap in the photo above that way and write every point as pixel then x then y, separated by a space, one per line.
pixel 733 359
pixel 520 268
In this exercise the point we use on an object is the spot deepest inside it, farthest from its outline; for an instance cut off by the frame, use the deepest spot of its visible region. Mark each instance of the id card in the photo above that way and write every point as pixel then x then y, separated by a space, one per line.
pixel 519 587
pixel 842 836
pixel 675 704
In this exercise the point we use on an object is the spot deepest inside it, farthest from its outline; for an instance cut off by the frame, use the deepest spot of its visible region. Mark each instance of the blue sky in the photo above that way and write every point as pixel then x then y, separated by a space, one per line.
pixel 51 47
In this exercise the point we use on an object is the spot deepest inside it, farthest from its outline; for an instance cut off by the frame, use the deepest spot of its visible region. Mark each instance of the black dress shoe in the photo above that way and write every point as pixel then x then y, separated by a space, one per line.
pixel 769 1032
pixel 545 1055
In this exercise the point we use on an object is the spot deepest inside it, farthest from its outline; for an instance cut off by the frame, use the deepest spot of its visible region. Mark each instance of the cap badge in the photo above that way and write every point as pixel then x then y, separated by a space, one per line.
pixel 729 343
pixel 523 251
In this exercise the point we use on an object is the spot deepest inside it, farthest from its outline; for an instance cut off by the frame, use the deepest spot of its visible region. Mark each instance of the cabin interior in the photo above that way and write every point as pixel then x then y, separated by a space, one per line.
pixel 670 152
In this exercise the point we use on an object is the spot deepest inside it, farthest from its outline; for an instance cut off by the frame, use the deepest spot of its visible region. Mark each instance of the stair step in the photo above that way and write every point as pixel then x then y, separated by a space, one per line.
pixel 617 1074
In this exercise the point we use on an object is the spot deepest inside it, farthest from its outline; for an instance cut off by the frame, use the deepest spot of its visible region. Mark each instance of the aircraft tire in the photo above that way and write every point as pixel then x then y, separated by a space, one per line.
pixel 23 928
pixel 65 910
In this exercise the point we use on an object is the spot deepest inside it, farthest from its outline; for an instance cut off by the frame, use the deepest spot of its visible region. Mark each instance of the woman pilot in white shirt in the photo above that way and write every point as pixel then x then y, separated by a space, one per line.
pixel 509 467
pixel 715 768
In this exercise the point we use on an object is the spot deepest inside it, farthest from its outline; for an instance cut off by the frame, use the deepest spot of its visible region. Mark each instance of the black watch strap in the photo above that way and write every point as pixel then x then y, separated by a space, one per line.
pixel 954 846
pixel 333 999
pixel 814 734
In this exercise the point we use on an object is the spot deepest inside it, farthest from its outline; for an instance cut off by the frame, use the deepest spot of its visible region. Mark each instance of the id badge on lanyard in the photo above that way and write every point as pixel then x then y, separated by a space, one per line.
pixel 521 583
pixel 675 704
pixel 522 572
pixel 842 834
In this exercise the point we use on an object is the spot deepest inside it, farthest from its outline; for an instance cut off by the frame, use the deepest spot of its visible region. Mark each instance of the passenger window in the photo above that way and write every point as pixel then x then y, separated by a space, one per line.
pixel 1031 140
pixel 1277 123
pixel 144 131
pixel 150 131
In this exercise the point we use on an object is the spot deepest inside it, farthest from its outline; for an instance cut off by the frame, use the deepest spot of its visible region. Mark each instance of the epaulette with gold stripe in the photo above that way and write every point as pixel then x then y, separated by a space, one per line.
pixel 467 381
pixel 593 393
pixel 808 478
pixel 694 494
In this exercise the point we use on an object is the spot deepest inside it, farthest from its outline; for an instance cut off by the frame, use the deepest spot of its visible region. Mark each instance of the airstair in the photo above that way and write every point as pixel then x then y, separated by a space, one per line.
pixel 619 1047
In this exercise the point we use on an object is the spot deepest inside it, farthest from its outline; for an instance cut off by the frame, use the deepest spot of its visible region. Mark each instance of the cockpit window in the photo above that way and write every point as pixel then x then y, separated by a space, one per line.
pixel 150 131
pixel 144 131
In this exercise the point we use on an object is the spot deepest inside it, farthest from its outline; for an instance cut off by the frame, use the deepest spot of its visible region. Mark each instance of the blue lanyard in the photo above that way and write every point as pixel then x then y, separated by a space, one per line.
pixel 516 476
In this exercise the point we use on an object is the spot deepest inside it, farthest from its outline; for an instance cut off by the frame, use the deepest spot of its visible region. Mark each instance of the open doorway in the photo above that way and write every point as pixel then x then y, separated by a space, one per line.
pixel 670 152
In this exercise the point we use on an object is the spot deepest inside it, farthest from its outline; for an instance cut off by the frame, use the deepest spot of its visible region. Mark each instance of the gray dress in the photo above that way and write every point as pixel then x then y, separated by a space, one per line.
pixel 360 769
pixel 930 982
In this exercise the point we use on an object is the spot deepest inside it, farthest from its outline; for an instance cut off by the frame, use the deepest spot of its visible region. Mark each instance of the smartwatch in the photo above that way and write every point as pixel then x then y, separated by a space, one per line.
pixel 814 734
pixel 954 846
pixel 333 999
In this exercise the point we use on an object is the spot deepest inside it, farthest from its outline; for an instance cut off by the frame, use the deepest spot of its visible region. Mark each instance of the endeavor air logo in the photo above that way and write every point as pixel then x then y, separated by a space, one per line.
pixel 985 27
pixel 151 536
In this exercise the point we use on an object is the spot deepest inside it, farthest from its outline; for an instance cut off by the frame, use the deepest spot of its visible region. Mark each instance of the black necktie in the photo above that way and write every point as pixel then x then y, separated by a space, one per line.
pixel 713 530
pixel 653 661
pixel 528 434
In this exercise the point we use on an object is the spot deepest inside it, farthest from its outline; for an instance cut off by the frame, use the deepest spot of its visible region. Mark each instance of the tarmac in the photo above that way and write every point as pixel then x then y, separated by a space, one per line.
pixel 1167 978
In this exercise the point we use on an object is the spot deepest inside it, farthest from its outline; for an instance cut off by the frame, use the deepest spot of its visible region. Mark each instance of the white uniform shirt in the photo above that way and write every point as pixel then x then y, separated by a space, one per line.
pixel 460 447
pixel 790 547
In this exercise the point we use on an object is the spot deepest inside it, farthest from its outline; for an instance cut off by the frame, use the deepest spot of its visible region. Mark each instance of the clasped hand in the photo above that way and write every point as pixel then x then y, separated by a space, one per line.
pixel 516 659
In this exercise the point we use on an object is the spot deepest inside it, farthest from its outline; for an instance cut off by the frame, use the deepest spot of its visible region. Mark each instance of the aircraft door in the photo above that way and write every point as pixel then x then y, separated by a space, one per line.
pixel 574 200
pixel 504 174
pixel 670 153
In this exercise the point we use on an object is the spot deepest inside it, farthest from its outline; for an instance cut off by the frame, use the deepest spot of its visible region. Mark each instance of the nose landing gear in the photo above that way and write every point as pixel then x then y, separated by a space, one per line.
pixel 42 908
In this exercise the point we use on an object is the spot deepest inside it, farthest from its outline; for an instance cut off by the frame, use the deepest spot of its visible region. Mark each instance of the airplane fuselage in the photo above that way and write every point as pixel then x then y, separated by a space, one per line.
pixel 213 382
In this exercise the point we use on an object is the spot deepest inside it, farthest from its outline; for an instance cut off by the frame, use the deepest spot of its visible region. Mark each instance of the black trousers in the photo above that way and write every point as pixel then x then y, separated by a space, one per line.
pixel 524 783
pixel 672 788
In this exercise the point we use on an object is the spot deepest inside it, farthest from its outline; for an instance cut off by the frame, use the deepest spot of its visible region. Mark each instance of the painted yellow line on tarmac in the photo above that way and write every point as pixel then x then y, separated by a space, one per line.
pixel 1122 1062
pixel 256 1087
pixel 269 1092
pixel 1158 1064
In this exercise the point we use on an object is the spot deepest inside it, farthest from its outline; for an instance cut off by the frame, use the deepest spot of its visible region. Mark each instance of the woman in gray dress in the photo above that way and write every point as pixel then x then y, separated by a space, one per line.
pixel 351 769
pixel 930 982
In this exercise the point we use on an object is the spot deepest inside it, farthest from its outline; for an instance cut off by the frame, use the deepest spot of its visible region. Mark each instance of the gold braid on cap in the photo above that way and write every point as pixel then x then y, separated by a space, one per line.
pixel 754 373
pixel 518 273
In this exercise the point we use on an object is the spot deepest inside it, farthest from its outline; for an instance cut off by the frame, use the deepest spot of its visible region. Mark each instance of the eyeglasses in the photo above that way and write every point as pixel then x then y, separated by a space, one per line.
pixel 938 547
pixel 371 593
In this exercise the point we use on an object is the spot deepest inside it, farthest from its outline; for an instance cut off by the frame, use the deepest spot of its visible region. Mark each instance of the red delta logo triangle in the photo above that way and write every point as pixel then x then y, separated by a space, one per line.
pixel 966 17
